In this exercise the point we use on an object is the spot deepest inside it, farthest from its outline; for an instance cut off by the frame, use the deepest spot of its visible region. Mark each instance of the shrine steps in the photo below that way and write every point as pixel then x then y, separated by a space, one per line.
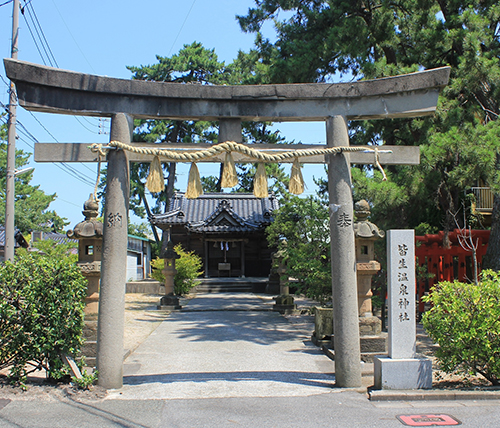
pixel 230 285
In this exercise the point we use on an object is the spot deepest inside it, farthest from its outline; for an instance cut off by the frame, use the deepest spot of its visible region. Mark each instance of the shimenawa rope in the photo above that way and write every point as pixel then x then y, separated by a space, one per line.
pixel 155 181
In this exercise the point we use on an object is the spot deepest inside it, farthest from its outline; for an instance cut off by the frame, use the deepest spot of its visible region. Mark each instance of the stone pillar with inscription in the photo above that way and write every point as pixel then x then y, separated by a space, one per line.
pixel 402 369
pixel 344 291
pixel 89 236
pixel 111 321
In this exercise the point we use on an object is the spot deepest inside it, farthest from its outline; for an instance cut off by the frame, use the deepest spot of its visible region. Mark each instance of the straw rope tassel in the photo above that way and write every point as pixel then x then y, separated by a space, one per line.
pixel 155 181
pixel 229 176
pixel 194 188
pixel 296 185
pixel 377 163
pixel 260 182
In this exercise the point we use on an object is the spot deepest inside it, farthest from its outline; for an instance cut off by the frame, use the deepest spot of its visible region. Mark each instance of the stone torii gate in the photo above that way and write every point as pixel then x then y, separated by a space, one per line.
pixel 46 89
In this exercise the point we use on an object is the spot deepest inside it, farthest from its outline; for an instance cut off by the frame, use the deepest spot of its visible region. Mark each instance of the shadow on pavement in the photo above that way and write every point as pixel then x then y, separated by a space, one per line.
pixel 325 380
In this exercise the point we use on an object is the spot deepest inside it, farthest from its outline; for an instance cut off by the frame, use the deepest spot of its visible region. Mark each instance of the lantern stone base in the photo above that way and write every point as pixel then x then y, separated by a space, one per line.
pixel 370 326
pixel 285 305
pixel 371 347
pixel 169 303
pixel 402 373
pixel 323 326
pixel 372 340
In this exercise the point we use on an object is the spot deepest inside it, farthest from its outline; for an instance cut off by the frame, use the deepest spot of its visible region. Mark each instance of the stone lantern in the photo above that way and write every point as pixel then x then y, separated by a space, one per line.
pixel 169 301
pixel 89 236
pixel 365 233
pixel 284 302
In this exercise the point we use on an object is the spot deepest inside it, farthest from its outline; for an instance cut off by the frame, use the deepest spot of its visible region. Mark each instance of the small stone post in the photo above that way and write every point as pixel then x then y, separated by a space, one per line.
pixel 89 236
pixel 344 291
pixel 169 301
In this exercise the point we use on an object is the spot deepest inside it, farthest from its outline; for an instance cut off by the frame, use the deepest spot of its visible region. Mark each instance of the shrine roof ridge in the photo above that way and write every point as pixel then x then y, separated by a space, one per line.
pixel 247 210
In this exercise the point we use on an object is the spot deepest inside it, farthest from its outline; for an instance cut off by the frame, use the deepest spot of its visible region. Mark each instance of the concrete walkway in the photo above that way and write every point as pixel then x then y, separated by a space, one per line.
pixel 226 345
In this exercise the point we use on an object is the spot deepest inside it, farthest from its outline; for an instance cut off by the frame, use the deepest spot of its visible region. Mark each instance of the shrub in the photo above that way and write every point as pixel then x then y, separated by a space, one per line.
pixel 465 321
pixel 188 267
pixel 41 314
pixel 157 266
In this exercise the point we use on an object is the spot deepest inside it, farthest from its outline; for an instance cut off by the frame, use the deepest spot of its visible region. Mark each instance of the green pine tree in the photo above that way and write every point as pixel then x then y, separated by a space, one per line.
pixel 319 41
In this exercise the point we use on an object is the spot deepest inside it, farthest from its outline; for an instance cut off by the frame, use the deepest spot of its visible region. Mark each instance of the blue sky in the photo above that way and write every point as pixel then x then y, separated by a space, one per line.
pixel 103 37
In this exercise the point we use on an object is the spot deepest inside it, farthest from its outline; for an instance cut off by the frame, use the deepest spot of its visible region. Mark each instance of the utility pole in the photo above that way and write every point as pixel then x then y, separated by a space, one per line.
pixel 11 148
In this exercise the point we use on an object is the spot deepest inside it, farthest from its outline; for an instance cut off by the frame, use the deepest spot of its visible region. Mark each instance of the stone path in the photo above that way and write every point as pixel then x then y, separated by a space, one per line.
pixel 243 351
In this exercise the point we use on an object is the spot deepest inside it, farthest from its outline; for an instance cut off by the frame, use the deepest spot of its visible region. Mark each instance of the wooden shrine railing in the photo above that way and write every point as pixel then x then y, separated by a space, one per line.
pixel 445 264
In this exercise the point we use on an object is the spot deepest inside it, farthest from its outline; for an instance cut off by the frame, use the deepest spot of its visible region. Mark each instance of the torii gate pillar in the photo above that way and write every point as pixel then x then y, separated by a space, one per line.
pixel 343 256
pixel 110 327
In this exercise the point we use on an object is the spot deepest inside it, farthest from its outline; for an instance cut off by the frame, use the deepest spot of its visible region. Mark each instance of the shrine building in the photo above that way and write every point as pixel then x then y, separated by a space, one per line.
pixel 227 230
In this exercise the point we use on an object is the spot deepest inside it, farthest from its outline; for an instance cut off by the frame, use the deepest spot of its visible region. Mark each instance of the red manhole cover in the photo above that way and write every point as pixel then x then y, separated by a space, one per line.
pixel 428 420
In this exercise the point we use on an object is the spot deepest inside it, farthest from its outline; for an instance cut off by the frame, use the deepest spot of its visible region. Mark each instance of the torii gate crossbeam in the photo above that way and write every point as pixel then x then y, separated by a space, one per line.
pixel 41 88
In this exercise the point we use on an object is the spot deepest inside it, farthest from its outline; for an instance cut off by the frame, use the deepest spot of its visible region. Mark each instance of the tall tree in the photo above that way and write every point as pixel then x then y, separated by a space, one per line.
pixel 321 40
pixel 194 64
pixel 31 203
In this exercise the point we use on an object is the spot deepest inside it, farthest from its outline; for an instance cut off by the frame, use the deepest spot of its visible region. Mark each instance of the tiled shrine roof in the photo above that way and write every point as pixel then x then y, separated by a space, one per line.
pixel 218 213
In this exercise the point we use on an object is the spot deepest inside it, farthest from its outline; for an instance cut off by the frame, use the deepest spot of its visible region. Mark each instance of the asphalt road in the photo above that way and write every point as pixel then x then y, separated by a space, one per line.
pixel 333 409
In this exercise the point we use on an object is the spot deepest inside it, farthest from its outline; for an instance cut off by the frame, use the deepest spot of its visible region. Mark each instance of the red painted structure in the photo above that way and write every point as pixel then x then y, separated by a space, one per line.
pixel 446 264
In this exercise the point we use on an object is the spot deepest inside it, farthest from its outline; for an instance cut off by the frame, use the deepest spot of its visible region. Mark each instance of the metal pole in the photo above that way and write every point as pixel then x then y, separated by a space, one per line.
pixel 11 148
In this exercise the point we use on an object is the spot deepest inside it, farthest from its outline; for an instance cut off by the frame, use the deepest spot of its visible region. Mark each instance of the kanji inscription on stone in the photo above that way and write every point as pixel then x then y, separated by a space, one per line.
pixel 344 220
pixel 114 220
pixel 401 293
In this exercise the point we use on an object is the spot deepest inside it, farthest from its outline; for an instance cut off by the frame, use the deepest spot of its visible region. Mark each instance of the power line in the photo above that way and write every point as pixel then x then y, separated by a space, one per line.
pixel 62 166
pixel 71 34
pixel 43 47
pixel 6 83
pixel 90 122
pixel 41 30
pixel 68 202
pixel 7 2
pixel 84 177
pixel 182 26
pixel 42 40
pixel 34 139
pixel 80 122
pixel 34 39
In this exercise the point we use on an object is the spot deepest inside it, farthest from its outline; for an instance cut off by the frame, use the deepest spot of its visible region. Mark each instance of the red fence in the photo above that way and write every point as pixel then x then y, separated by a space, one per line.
pixel 446 264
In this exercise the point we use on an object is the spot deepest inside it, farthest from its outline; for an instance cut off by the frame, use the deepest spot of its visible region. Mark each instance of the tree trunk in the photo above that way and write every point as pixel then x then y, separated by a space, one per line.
pixel 170 184
pixel 148 212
